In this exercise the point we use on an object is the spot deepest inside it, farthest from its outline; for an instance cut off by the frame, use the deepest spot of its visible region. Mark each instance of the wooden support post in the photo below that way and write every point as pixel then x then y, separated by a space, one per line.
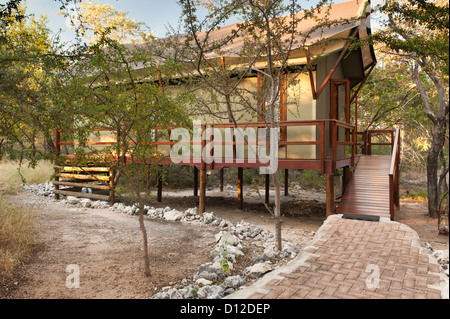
pixel 330 194
pixel 201 200
pixel 195 181
pixel 160 185
pixel 221 180
pixel 267 189
pixel 346 176
pixel 58 152
pixel 112 186
pixel 286 182
pixel 240 187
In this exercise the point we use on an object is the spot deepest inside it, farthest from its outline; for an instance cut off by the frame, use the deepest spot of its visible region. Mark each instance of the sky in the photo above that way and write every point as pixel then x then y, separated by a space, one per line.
pixel 156 14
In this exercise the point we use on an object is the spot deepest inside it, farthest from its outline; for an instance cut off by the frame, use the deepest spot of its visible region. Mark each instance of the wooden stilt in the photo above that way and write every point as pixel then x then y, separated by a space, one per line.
pixel 346 176
pixel 240 187
pixel 160 185
pixel 112 186
pixel 286 182
pixel 221 180
pixel 195 181
pixel 201 200
pixel 267 189
pixel 330 194
pixel 58 152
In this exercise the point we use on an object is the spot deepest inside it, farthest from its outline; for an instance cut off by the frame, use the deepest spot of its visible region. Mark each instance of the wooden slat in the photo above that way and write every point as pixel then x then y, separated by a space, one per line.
pixel 82 169
pixel 83 195
pixel 84 177
pixel 94 186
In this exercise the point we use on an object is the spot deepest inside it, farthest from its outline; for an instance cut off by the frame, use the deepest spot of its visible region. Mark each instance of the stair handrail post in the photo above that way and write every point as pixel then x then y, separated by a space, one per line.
pixel 394 196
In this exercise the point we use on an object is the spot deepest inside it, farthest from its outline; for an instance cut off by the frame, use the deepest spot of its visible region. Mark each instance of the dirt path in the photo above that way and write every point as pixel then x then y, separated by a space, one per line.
pixel 106 247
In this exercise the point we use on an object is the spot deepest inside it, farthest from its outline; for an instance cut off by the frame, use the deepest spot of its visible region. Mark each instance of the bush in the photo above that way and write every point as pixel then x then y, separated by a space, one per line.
pixel 16 237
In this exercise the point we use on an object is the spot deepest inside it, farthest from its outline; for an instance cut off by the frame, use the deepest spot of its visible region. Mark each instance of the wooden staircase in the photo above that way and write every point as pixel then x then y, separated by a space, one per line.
pixel 95 183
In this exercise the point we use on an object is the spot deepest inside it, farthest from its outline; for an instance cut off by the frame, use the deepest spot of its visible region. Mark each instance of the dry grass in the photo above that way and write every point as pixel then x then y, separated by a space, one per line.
pixel 12 176
pixel 16 237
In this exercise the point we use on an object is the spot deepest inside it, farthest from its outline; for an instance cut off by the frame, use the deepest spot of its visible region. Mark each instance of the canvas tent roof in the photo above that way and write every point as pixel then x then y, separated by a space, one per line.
pixel 351 14
pixel 348 13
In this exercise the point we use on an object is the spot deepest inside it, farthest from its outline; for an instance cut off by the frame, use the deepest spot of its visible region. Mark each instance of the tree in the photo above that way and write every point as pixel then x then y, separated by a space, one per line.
pixel 417 33
pixel 104 90
pixel 91 20
pixel 28 63
pixel 45 87
pixel 390 98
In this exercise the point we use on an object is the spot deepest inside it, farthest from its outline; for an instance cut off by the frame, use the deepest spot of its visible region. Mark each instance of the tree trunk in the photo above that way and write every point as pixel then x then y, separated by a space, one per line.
pixel 437 145
pixel 147 271
pixel 432 183
pixel 277 211
pixel 144 241
pixel 442 184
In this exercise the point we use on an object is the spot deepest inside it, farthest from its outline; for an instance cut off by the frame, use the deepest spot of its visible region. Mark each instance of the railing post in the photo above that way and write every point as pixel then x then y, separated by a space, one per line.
pixel 333 145
pixel 391 196
pixel 330 194
pixel 354 145
pixel 322 147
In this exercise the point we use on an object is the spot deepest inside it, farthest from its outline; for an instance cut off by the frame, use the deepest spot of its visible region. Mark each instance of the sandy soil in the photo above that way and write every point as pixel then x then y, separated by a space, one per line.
pixel 106 246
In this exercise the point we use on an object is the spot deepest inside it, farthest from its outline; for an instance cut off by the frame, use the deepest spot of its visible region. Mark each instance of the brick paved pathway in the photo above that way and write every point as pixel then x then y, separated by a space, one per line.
pixel 355 259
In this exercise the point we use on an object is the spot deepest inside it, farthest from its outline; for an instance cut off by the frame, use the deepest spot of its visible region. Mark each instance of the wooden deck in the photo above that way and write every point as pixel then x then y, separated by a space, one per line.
pixel 367 193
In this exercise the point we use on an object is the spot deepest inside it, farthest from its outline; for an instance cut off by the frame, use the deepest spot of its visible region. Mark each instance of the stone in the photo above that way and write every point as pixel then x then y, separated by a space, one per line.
pixel 232 282
pixel 174 294
pixel 188 292
pixel 208 218
pixel 227 238
pixel 210 276
pixel 86 203
pixel 99 204
pixel 203 282
pixel 129 210
pixel 211 292
pixel 72 200
pixel 259 269
pixel 173 215
pixel 253 232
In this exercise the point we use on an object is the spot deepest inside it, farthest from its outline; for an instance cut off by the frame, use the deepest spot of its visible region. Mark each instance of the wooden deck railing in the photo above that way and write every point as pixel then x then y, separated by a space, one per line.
pixel 321 157
pixel 367 143
pixel 394 175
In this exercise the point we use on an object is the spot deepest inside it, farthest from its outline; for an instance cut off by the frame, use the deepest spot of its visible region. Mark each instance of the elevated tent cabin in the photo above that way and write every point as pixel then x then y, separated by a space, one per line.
pixel 317 112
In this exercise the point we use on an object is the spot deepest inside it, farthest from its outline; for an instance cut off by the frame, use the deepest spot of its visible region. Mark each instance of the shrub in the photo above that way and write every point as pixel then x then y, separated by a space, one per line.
pixel 16 237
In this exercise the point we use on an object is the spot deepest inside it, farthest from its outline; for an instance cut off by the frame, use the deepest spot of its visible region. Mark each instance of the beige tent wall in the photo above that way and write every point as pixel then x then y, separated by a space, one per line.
pixel 300 107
